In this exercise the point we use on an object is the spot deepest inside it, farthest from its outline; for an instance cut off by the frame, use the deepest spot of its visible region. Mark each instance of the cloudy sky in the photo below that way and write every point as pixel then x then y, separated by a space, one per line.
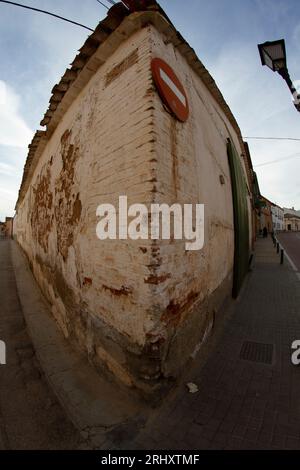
pixel 35 51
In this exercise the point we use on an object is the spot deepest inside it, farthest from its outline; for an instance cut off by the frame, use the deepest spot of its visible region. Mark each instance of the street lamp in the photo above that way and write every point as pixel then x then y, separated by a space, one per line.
pixel 273 54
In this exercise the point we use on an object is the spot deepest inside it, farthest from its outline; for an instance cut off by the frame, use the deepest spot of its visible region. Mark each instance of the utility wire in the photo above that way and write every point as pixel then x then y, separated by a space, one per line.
pixel 105 6
pixel 271 138
pixel 46 13
pixel 290 157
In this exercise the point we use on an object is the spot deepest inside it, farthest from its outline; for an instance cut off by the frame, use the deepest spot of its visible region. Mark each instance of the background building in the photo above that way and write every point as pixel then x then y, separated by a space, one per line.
pixel 291 220
pixel 277 218
pixel 266 214
pixel 8 227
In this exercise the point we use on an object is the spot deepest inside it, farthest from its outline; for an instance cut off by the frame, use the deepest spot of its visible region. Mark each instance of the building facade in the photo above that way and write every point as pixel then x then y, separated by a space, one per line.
pixel 291 223
pixel 291 219
pixel 277 218
pixel 8 227
pixel 138 308
pixel 254 193
pixel 266 220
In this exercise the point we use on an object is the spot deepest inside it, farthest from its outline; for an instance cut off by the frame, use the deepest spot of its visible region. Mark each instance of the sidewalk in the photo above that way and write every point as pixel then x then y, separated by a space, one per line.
pixel 242 404
pixel 30 415
pixel 101 411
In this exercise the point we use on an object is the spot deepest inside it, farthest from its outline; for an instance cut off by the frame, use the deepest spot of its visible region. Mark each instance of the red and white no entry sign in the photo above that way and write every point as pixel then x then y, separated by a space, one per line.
pixel 170 89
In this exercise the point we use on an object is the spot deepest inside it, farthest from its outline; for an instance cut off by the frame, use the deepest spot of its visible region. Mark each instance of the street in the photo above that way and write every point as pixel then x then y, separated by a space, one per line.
pixel 150 230
pixel 291 243
pixel 30 416
pixel 246 398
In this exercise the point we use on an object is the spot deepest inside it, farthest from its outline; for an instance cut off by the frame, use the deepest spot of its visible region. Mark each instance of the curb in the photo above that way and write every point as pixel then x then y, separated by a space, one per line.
pixel 291 262
pixel 97 407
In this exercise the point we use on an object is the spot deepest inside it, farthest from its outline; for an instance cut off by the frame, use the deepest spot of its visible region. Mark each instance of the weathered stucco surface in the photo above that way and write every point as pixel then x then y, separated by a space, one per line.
pixel 192 167
pixel 139 307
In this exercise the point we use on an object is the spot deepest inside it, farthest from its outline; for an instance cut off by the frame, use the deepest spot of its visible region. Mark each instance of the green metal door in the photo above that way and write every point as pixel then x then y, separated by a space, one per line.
pixel 241 220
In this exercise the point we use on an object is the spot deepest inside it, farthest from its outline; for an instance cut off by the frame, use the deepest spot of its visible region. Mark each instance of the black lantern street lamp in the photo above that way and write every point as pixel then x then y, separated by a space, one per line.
pixel 273 55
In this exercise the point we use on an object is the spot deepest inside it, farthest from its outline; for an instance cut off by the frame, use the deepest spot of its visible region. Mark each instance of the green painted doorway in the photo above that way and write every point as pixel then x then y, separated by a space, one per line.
pixel 241 219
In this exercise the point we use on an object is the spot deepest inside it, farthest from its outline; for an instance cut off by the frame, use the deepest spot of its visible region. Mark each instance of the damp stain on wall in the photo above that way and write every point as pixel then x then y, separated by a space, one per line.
pixel 174 311
pixel 120 68
pixel 42 208
pixel 68 206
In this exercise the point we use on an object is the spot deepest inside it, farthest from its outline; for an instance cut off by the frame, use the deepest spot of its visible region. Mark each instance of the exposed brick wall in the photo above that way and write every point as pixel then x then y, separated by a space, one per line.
pixel 140 307
pixel 101 149
pixel 191 157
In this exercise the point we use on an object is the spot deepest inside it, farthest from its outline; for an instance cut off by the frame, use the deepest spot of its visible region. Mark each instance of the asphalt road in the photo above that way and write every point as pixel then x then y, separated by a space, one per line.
pixel 30 415
pixel 291 243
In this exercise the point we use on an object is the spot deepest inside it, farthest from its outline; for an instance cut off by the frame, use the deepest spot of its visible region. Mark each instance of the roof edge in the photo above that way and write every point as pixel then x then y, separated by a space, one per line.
pixel 108 35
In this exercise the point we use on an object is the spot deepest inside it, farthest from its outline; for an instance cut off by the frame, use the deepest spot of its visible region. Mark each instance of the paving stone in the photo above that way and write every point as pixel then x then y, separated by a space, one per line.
pixel 243 404
pixel 26 422
pixel 240 404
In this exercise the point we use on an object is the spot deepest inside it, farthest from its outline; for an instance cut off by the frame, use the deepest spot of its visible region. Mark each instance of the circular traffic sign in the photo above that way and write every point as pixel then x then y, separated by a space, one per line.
pixel 170 89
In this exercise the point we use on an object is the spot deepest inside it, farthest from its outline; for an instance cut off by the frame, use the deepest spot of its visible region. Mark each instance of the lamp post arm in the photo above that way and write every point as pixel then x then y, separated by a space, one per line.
pixel 284 73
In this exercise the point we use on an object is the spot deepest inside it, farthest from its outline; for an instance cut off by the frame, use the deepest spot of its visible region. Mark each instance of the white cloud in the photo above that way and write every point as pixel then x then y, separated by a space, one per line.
pixel 15 136
pixel 11 170
pixel 6 169
pixel 14 131
pixel 8 197
pixel 262 104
